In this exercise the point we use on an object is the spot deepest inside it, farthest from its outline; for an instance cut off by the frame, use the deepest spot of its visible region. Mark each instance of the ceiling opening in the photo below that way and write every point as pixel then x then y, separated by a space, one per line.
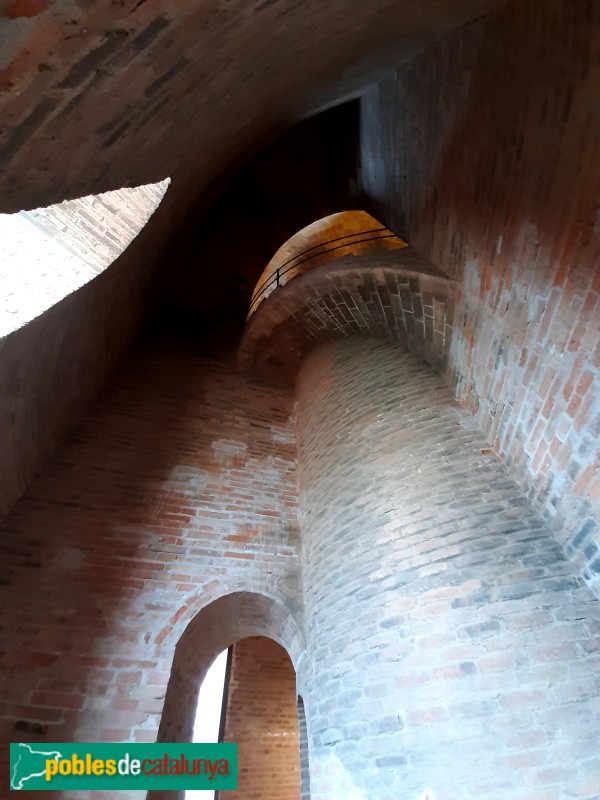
pixel 48 253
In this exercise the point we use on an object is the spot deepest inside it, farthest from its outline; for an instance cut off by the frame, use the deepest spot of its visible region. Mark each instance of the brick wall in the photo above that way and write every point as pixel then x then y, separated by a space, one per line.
pixel 397 295
pixel 481 153
pixel 178 487
pixel 261 717
pixel 450 644
pixel 324 240
pixel 52 368
pixel 99 97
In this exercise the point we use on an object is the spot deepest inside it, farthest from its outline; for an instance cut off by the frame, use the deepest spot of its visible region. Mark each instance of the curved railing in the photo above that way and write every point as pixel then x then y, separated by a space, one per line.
pixel 349 240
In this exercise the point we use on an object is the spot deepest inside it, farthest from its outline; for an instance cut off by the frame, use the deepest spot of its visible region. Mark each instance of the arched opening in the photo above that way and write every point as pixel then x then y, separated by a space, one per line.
pixel 249 697
pixel 208 725
pixel 342 234
pixel 261 716
pixel 48 253
pixel 228 620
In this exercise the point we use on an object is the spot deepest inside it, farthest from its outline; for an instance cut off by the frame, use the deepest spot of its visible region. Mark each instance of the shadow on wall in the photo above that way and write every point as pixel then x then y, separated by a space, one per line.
pixel 305 174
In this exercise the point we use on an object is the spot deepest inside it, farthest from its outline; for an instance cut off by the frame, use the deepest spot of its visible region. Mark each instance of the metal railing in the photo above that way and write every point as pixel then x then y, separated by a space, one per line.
pixel 297 260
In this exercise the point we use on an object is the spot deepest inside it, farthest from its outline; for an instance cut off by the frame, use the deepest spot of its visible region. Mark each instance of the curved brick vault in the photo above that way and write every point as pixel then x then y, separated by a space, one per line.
pixel 146 90
pixel 397 295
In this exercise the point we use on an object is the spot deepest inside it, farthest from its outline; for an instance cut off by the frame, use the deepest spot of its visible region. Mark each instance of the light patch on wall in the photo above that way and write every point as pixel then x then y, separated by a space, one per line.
pixel 47 253
pixel 338 776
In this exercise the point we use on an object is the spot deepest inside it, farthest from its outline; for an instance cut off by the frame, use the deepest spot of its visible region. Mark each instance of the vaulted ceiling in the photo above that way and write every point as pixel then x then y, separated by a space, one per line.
pixel 96 96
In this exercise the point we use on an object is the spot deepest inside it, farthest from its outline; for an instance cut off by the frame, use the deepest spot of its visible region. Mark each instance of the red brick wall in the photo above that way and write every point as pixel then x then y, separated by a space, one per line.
pixel 178 487
pixel 261 716
pixel 482 153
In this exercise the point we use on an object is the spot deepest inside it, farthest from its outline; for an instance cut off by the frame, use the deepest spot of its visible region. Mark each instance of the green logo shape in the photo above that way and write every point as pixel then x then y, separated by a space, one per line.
pixel 122 766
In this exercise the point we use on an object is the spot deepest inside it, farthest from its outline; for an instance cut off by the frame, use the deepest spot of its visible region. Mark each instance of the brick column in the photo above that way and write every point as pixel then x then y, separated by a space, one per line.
pixel 448 653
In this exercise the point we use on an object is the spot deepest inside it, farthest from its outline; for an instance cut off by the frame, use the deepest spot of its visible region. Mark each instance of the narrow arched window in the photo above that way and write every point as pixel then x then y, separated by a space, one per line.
pixel 304 766
pixel 208 726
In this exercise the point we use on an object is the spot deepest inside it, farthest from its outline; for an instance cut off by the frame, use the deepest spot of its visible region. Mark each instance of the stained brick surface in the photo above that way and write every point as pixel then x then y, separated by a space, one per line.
pixel 261 717
pixel 450 643
pixel 482 153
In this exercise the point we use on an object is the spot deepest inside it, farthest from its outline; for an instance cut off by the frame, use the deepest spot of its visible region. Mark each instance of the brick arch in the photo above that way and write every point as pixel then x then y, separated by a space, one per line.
pixel 397 295
pixel 227 619
pixel 325 240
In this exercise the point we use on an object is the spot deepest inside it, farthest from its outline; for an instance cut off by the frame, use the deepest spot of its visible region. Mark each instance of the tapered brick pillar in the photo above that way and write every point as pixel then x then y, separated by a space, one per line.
pixel 447 650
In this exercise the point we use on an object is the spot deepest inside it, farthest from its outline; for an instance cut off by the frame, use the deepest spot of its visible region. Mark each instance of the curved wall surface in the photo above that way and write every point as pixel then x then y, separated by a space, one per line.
pixel 495 180
pixel 396 295
pixel 447 648
pixel 99 96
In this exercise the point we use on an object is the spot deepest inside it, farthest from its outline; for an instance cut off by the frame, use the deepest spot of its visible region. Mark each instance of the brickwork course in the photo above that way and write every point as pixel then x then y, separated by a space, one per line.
pixel 398 296
pixel 391 470
pixel 327 239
